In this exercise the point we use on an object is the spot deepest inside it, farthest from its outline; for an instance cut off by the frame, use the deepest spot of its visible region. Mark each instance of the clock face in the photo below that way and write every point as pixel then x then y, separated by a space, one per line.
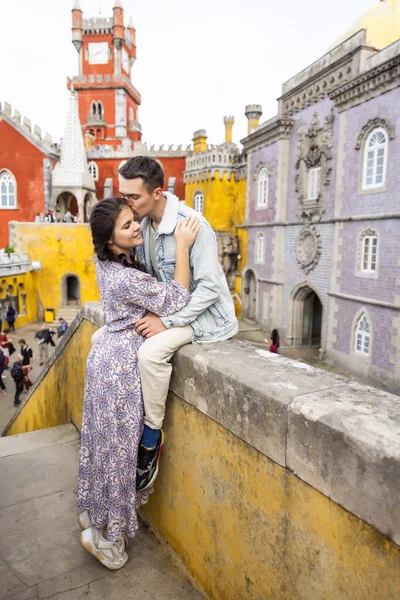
pixel 125 60
pixel 98 53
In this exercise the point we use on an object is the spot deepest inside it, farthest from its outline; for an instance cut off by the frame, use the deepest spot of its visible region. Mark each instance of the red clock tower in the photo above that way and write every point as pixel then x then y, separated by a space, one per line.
pixel 108 102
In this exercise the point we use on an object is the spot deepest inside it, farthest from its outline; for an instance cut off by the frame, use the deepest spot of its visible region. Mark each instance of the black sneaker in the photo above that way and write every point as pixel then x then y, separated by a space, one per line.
pixel 148 461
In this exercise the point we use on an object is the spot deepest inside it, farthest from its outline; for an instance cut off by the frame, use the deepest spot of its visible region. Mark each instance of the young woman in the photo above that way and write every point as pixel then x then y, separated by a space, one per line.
pixel 10 317
pixel 273 342
pixel 112 419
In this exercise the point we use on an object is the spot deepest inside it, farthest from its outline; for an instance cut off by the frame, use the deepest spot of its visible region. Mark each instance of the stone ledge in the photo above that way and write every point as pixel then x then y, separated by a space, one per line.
pixel 340 437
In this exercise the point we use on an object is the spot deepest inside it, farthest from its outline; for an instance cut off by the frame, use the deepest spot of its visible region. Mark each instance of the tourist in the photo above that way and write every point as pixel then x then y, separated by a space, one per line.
pixel 209 316
pixel 112 418
pixel 273 342
pixel 5 346
pixel 10 317
pixel 68 218
pixel 62 328
pixel 27 364
pixel 2 368
pixel 41 337
pixel 38 218
pixel 17 374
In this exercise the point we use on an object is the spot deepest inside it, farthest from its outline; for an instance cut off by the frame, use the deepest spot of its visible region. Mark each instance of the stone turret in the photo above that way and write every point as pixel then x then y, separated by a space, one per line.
pixel 228 122
pixel 77 26
pixel 253 113
pixel 118 27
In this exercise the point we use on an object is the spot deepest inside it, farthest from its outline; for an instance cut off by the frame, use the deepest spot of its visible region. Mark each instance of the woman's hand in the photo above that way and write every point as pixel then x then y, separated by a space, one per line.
pixel 186 231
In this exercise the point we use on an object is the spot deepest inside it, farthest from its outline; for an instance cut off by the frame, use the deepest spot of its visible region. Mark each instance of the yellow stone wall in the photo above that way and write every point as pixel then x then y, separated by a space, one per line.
pixel 224 208
pixel 247 528
pixel 25 283
pixel 62 249
pixel 58 398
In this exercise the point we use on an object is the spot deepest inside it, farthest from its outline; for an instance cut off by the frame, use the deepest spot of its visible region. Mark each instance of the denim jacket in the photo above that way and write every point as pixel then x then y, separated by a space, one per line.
pixel 210 311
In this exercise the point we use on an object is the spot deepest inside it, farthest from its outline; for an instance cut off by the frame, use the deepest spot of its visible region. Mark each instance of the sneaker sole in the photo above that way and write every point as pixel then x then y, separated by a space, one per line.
pixel 84 521
pixel 152 480
pixel 88 545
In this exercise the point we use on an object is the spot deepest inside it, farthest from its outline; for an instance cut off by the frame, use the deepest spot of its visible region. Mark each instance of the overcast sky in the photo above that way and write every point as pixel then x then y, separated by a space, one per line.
pixel 197 60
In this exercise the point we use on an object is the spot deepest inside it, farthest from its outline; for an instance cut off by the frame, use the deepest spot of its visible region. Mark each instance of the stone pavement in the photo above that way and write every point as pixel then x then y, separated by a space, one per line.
pixel 40 554
pixel 28 334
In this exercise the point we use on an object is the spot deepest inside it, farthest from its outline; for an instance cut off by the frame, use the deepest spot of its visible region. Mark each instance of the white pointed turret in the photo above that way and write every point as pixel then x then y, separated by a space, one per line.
pixel 72 169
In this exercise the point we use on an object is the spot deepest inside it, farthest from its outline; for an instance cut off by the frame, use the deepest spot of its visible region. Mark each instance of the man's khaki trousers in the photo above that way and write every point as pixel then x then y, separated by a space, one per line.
pixel 155 369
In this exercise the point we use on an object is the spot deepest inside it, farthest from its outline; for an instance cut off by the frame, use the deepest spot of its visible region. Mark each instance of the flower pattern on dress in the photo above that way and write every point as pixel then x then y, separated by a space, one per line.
pixel 112 417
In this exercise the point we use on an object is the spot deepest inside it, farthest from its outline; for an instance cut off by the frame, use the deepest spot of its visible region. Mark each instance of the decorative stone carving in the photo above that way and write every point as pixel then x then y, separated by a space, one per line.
pixel 314 149
pixel 308 248
pixel 373 124
pixel 228 252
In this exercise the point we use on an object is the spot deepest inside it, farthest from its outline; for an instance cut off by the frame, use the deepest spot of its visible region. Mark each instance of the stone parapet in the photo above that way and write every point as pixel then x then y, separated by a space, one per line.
pixel 340 437
pixel 15 264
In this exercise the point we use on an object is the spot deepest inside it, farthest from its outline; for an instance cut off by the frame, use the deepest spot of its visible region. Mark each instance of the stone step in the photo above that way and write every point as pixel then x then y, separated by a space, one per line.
pixel 25 442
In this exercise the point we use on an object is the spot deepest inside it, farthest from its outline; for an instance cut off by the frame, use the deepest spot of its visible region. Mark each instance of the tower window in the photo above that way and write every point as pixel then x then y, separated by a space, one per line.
pixel 375 159
pixel 198 202
pixel 8 190
pixel 94 170
pixel 259 248
pixel 262 191
pixel 314 183
pixel 370 250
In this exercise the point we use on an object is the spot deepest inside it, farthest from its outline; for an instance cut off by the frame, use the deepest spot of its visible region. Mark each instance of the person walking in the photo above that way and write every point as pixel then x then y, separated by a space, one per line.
pixel 5 346
pixel 112 417
pixel 40 336
pixel 62 328
pixel 27 364
pixel 17 374
pixel 2 366
pixel 273 342
pixel 10 317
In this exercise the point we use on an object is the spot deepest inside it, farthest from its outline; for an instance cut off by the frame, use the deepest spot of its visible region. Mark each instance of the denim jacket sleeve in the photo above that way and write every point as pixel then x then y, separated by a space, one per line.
pixel 205 275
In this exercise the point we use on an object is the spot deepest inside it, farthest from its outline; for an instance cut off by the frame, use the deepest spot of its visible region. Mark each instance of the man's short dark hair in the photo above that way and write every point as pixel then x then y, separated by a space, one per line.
pixel 148 169
pixel 21 341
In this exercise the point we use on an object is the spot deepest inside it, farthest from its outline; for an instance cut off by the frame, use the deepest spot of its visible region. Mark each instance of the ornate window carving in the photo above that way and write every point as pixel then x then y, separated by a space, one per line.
pixel 94 170
pixel 314 155
pixel 308 248
pixel 262 188
pixel 363 336
pixel 375 159
pixel 259 248
pixel 8 190
pixel 198 202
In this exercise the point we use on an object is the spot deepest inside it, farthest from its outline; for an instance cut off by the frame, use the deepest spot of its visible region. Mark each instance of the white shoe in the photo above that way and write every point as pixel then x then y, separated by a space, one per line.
pixel 84 520
pixel 111 554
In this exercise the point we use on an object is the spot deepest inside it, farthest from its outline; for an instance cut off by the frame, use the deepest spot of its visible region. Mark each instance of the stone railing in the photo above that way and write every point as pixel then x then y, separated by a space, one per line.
pixel 278 480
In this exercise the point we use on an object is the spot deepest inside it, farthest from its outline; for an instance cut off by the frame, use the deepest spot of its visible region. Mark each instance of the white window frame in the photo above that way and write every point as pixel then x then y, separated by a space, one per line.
pixel 262 188
pixel 198 202
pixel 370 254
pixel 6 174
pixel 94 170
pixel 314 183
pixel 259 248
pixel 361 345
pixel 375 149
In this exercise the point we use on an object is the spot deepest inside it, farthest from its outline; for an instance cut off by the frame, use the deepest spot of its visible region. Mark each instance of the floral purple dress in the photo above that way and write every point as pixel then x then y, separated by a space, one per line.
pixel 112 419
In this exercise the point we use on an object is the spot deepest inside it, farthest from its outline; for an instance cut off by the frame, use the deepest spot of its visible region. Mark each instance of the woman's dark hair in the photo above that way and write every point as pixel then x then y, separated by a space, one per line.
pixel 102 222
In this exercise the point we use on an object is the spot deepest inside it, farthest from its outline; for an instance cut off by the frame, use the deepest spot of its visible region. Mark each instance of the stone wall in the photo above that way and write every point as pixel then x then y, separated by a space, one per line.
pixel 278 480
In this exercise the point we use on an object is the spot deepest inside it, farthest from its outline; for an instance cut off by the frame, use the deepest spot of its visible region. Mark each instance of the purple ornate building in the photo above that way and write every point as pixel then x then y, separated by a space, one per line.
pixel 323 211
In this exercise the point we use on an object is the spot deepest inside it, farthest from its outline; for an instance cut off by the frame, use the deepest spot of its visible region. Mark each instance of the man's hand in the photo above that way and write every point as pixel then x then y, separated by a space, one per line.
pixel 150 325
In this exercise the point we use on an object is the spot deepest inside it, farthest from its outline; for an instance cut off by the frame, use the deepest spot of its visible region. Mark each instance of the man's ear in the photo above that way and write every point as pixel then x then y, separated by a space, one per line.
pixel 158 193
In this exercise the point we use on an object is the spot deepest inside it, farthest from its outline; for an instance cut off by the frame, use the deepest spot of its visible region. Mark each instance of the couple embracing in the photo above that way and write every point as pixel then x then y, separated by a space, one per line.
pixel 161 287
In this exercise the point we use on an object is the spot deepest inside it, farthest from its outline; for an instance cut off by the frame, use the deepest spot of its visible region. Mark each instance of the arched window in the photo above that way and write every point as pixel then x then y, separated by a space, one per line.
pixel 262 190
pixel 8 190
pixel 93 110
pixel 259 248
pixel 363 336
pixel 94 170
pixel 375 159
pixel 369 252
pixel 198 202
pixel 100 111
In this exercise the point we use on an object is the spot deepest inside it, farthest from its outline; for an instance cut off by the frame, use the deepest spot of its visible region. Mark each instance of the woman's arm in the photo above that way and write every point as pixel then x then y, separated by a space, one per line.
pixel 185 234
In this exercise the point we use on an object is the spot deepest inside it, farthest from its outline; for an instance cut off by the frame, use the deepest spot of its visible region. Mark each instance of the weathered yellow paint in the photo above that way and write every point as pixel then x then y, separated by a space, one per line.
pixel 224 209
pixel 25 283
pixel 247 528
pixel 58 398
pixel 62 249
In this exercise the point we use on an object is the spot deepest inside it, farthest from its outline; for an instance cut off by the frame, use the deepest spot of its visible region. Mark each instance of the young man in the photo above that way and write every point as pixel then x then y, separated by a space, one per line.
pixel 208 317
pixel 27 363
pixel 62 328
pixel 17 374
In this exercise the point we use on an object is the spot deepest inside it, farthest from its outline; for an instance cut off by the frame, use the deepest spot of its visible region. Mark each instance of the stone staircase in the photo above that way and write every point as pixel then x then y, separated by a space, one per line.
pixel 68 313
pixel 40 552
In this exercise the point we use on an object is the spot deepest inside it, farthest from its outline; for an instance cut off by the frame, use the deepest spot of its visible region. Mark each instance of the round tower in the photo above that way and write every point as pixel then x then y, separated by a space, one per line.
pixel 77 37
pixel 132 32
pixel 118 25
pixel 253 113
pixel 228 122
